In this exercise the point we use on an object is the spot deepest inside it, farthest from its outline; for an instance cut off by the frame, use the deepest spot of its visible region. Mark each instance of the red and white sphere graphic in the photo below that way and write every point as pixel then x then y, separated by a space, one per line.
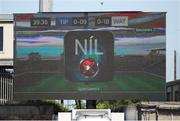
pixel 88 67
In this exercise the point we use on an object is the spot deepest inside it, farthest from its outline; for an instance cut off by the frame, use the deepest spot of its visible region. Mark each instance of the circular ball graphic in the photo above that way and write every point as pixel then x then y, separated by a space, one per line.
pixel 88 67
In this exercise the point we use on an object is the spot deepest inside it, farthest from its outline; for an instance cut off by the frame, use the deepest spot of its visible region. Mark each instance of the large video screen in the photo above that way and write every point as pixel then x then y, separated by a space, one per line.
pixel 92 55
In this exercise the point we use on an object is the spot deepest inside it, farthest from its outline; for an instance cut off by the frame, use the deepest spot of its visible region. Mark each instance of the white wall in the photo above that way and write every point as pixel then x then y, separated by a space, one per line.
pixel 8 44
pixel 62 116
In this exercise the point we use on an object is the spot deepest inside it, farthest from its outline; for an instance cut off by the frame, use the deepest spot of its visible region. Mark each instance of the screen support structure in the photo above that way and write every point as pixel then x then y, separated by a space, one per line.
pixel 91 104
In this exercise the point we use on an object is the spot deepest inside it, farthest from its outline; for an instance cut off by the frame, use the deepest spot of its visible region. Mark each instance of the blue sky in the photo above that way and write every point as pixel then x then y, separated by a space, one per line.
pixel 172 7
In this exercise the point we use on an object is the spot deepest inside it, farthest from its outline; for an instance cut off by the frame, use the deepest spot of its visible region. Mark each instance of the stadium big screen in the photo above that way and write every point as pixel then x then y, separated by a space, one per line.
pixel 93 55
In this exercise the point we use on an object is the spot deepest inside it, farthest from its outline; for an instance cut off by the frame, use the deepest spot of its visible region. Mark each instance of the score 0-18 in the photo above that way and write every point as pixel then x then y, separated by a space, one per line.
pixel 103 21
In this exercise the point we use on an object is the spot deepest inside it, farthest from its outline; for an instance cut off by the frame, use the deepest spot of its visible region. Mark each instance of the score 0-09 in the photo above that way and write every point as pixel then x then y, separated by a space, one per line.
pixel 79 21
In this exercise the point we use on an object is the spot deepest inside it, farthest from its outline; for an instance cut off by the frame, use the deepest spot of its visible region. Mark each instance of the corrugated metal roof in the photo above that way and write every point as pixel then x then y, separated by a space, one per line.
pixel 6 17
pixel 171 83
pixel 163 105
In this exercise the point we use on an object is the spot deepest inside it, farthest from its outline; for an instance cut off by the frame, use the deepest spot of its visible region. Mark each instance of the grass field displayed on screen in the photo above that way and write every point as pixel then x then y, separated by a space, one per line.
pixel 95 55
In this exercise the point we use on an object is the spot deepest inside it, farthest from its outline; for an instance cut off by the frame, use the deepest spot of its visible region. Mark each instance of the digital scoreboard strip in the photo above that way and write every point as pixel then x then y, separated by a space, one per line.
pixel 92 55
pixel 76 21
pixel 80 21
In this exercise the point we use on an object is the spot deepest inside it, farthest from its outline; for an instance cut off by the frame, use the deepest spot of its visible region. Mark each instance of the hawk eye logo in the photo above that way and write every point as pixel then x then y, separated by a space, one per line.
pixel 89 55
pixel 89 67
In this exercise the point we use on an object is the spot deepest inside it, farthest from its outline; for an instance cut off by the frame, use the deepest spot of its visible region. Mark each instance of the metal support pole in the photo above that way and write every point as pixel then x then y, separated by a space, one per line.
pixel 45 5
pixel 139 112
pixel 62 102
pixel 157 114
pixel 91 104
pixel 175 65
